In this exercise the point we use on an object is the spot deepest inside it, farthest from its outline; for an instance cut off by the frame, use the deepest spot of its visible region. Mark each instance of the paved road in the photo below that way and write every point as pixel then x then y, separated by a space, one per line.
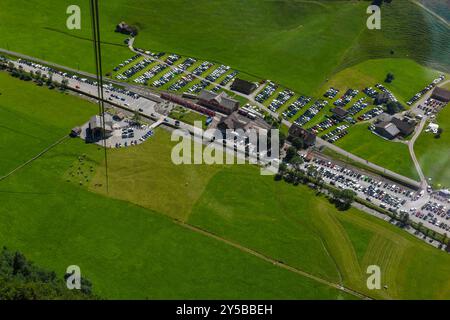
pixel 146 92
pixel 418 131
pixel 320 141
pixel 128 86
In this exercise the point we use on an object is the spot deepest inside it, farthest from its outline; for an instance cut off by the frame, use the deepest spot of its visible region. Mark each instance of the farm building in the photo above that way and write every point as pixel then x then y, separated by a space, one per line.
pixel 441 95
pixel 238 120
pixel 243 86
pixel 126 29
pixel 339 113
pixel 387 130
pixel 405 126
pixel 96 130
pixel 218 101
pixel 309 138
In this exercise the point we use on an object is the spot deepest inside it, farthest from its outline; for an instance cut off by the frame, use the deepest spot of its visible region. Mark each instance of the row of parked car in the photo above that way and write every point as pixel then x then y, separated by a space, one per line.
pixel 141 65
pixel 346 98
pixel 376 183
pixel 126 62
pixel 281 99
pixel 311 112
pixel 383 89
pixel 167 77
pixel 146 76
pixel 107 86
pixel 342 177
pixel 294 108
pixel 370 92
pixel 196 88
pixel 202 68
pixel 357 107
pixel 171 59
pixel 331 93
pixel 266 92
pixel 228 78
pixel 181 83
pixel 436 208
pixel 217 73
pixel 372 113
pixel 324 125
pixel 421 93
pixel 336 133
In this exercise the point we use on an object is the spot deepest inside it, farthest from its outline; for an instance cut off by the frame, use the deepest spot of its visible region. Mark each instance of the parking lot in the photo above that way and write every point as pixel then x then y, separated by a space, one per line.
pixel 116 95
pixel 421 206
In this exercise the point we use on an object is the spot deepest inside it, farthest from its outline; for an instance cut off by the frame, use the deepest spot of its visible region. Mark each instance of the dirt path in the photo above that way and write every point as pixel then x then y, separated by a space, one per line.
pixel 273 261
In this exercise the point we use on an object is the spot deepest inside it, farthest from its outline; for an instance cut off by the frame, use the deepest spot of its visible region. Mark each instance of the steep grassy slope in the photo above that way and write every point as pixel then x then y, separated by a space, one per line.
pixel 296 43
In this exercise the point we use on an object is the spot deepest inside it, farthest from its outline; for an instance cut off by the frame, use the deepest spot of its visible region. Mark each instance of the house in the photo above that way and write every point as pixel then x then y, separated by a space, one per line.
pixel 218 101
pixel 339 113
pixel 440 94
pixel 238 120
pixel 406 126
pixel 243 86
pixel 384 117
pixel 387 130
pixel 445 193
pixel 295 131
pixel 101 126
pixel 119 116
pixel 75 132
pixel 126 29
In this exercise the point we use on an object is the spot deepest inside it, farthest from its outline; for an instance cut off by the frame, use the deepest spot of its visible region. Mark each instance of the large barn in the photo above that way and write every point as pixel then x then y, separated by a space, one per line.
pixel 218 101
pixel 243 86
pixel 440 94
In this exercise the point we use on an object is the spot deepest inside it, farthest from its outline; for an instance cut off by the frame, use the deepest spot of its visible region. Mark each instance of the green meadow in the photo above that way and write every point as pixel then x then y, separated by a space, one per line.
pixel 433 153
pixel 299 44
pixel 388 154
pixel 126 250
pixel 130 241
pixel 56 211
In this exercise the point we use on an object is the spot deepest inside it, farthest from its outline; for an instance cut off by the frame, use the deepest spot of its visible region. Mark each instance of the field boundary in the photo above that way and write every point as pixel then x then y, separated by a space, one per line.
pixel 40 154
pixel 272 261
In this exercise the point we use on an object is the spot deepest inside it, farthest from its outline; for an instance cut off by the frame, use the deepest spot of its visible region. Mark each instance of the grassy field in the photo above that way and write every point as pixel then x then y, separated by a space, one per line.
pixel 133 248
pixel 433 153
pixel 293 225
pixel 126 243
pixel 187 116
pixel 410 77
pixel 388 154
pixel 298 44
pixel 22 108
pixel 127 251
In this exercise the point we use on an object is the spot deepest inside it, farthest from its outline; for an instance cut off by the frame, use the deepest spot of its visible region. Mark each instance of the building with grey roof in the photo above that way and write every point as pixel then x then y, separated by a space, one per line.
pixel 220 102
pixel 387 130
pixel 99 130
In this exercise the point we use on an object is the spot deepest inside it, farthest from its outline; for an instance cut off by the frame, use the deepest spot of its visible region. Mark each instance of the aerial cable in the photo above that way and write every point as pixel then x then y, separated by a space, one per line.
pixel 95 22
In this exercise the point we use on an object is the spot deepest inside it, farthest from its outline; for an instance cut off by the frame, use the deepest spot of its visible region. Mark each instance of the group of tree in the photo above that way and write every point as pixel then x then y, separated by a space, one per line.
pixel 389 78
pixel 20 279
pixel 393 107
pixel 438 133
pixel 39 78
pixel 343 198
